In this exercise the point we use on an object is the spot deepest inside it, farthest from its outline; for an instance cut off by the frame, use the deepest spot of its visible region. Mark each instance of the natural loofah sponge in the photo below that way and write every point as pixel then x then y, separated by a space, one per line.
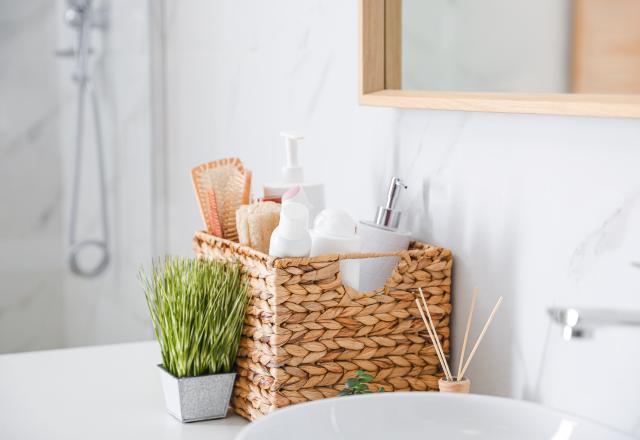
pixel 255 224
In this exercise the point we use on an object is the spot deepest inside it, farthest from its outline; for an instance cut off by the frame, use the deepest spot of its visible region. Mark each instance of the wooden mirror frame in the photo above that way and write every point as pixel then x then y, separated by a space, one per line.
pixel 380 78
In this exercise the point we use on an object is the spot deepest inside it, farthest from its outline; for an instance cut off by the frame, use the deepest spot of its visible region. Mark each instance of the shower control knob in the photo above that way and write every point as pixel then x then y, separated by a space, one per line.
pixel 69 52
pixel 65 53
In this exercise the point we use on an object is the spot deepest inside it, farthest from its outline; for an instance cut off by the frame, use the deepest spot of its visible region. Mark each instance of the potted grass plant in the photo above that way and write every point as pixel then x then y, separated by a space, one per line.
pixel 197 308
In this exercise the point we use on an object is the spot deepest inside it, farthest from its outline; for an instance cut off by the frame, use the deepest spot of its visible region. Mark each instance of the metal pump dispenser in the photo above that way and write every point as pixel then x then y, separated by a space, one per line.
pixel 388 216
pixel 382 235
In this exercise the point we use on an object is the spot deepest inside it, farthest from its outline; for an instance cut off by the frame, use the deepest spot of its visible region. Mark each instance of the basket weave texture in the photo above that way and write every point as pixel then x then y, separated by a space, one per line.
pixel 306 333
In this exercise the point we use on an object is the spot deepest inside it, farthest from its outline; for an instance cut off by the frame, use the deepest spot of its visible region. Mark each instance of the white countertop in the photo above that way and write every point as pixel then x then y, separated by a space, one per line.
pixel 105 392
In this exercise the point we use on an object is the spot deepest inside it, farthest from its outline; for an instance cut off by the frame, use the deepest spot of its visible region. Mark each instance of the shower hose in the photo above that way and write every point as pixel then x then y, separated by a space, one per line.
pixel 77 245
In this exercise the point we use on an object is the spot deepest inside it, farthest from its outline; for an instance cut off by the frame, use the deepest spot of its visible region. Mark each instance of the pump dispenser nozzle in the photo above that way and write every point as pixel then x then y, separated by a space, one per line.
pixel 388 216
pixel 292 172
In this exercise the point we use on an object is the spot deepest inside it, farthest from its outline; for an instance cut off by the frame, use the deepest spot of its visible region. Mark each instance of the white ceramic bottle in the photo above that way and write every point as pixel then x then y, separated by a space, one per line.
pixel 382 235
pixel 293 175
pixel 334 232
pixel 291 237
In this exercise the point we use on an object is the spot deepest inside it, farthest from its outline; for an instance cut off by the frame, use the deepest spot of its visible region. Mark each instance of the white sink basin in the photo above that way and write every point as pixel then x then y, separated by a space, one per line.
pixel 399 416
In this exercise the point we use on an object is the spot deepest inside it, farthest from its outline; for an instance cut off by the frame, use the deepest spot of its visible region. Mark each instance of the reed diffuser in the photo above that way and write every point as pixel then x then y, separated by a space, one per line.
pixel 457 383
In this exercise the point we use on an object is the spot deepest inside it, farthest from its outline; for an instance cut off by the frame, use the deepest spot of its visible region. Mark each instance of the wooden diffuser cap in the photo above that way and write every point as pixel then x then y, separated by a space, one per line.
pixel 455 386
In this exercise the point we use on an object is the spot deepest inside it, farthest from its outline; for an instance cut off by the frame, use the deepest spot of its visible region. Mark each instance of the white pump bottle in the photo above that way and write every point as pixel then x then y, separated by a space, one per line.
pixel 382 235
pixel 293 175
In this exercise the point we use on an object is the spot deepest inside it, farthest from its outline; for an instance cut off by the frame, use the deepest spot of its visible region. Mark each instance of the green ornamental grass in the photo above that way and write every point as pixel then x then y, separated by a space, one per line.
pixel 197 308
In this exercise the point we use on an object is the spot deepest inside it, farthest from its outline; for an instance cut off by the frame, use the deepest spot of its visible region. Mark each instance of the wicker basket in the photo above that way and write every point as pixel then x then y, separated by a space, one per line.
pixel 306 333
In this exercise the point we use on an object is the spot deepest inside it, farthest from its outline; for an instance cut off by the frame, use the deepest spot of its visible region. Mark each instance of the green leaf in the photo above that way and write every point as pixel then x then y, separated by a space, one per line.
pixel 366 378
pixel 353 382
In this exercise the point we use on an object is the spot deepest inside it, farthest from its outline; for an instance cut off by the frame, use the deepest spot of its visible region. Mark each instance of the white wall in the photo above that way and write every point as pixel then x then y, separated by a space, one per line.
pixel 542 210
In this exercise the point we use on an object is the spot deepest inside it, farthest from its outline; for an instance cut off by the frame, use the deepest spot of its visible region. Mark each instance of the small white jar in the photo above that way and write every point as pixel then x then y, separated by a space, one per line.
pixel 334 232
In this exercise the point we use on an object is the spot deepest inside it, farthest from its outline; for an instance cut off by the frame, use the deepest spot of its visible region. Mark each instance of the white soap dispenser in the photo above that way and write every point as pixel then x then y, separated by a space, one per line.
pixel 382 235
pixel 293 175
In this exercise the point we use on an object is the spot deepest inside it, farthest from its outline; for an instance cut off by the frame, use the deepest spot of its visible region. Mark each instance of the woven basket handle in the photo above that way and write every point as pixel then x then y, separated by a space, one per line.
pixel 354 256
pixel 294 261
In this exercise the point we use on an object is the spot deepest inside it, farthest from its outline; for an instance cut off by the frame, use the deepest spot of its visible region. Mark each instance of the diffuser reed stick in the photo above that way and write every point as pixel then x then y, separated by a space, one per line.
pixel 433 328
pixel 434 338
pixel 466 332
pixel 484 330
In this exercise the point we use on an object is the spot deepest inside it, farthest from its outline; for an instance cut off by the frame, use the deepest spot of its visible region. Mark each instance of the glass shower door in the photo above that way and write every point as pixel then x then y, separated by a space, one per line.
pixel 75 172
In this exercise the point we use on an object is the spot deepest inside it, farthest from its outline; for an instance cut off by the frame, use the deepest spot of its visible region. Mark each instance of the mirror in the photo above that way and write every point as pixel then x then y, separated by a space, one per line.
pixel 574 57
pixel 521 46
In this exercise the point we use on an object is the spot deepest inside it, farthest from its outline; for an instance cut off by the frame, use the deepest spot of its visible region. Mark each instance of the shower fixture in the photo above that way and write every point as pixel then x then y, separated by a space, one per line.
pixel 581 323
pixel 83 16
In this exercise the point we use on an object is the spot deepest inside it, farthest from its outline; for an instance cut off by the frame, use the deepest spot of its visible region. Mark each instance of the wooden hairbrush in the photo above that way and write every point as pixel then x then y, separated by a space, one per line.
pixel 221 187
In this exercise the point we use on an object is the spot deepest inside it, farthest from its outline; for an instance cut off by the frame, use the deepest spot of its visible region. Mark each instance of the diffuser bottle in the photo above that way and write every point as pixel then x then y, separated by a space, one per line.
pixel 382 235
pixel 293 175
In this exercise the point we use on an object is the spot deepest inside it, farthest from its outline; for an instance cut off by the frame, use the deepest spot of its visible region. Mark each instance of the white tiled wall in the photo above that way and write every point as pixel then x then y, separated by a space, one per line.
pixel 541 209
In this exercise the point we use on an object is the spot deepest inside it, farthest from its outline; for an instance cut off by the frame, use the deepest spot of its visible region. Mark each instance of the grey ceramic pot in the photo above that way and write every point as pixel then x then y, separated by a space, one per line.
pixel 190 399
